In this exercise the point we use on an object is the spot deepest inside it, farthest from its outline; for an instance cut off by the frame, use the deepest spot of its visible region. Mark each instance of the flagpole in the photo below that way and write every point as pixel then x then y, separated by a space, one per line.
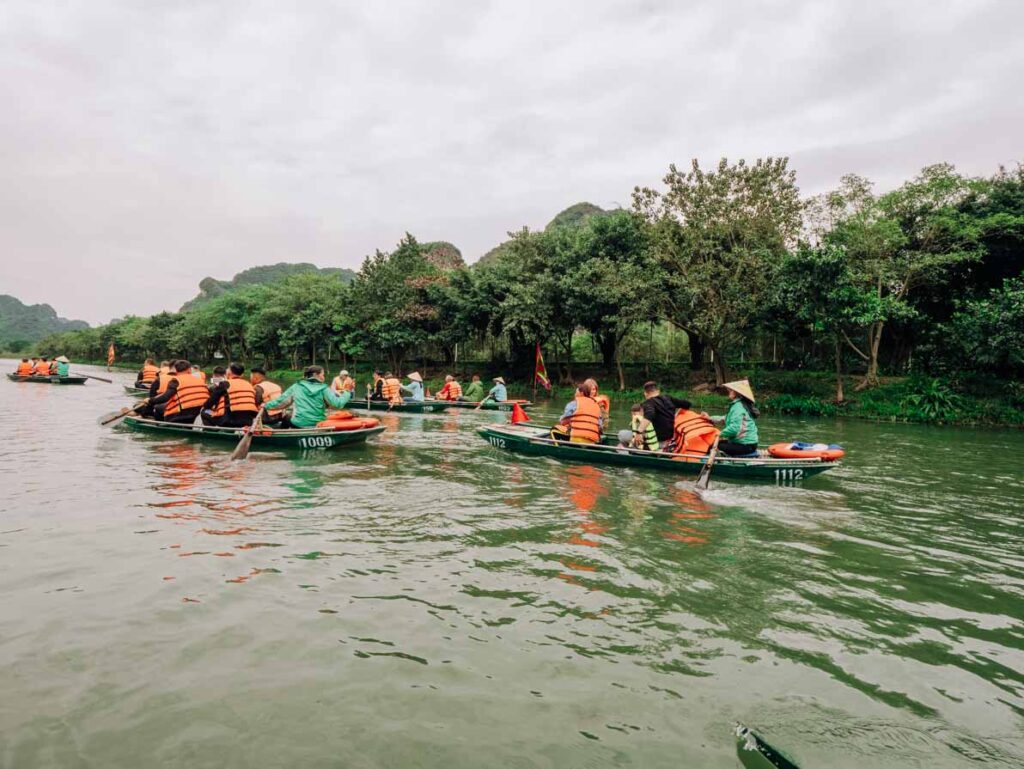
pixel 535 360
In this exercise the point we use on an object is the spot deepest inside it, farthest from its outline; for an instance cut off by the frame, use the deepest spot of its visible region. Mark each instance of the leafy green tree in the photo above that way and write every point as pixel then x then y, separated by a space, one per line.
pixel 719 236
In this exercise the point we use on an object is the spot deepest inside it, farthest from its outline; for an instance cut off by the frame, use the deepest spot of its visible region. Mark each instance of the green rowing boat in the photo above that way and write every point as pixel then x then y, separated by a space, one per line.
pixel 57 380
pixel 267 440
pixel 536 441
pixel 431 405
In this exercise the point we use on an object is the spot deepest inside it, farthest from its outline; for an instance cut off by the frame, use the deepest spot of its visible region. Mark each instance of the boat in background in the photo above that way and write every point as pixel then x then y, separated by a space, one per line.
pixel 57 380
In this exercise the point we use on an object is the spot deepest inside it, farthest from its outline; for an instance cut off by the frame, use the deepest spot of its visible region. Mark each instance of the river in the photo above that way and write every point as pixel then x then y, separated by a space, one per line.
pixel 430 601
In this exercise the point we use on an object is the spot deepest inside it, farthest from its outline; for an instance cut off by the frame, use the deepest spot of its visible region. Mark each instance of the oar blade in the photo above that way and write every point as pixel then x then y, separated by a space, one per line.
pixel 113 416
pixel 242 449
pixel 754 753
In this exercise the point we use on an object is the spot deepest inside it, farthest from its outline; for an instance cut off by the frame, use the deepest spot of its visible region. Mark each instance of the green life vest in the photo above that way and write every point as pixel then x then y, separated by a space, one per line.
pixel 648 438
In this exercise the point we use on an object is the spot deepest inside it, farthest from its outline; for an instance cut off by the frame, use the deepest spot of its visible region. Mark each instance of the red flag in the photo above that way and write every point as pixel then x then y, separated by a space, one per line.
pixel 518 415
pixel 110 354
pixel 540 371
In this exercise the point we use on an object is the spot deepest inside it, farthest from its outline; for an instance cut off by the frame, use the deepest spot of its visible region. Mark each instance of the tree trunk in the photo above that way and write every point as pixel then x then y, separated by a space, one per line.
pixel 721 372
pixel 697 347
pixel 839 370
pixel 618 367
pixel 874 342
pixel 608 346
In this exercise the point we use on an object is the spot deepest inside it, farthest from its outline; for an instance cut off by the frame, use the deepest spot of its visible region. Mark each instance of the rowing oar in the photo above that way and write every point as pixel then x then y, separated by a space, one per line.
pixel 705 472
pixel 114 416
pixel 242 449
pixel 97 378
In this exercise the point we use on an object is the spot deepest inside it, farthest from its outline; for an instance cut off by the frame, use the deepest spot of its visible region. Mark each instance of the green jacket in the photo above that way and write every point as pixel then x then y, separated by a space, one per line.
pixel 739 427
pixel 310 399
pixel 475 392
pixel 62 369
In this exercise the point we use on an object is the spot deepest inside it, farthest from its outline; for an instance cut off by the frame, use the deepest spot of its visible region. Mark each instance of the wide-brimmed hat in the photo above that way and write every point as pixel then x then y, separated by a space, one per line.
pixel 343 372
pixel 415 376
pixel 499 380
pixel 62 359
pixel 741 386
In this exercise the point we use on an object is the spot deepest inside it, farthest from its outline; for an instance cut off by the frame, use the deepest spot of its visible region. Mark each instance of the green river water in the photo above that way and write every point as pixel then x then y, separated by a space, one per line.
pixel 430 601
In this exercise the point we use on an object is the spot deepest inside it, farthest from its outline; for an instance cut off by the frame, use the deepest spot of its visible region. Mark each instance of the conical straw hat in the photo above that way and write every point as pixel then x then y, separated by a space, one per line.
pixel 742 386
pixel 415 376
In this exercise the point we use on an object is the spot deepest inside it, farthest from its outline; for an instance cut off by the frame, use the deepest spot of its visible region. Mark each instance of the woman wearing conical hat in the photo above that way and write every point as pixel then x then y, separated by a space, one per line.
pixel 739 432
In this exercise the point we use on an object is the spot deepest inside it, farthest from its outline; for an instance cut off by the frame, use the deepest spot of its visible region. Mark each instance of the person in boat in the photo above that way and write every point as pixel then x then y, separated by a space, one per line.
pixel 475 391
pixel 660 410
pixel 452 390
pixel 184 397
pixel 376 389
pixel 53 367
pixel 343 383
pixel 265 390
pixel 602 400
pixel 738 437
pixel 693 433
pixel 198 372
pixel 163 375
pixel 391 388
pixel 63 366
pixel 147 374
pixel 24 368
pixel 309 398
pixel 232 403
pixel 497 393
pixel 415 387
pixel 42 367
pixel 581 421
pixel 644 435
pixel 219 375
pixel 625 439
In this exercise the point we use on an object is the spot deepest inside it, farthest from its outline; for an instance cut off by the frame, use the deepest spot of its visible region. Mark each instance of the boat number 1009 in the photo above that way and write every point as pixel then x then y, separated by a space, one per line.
pixel 497 442
pixel 317 442
pixel 789 474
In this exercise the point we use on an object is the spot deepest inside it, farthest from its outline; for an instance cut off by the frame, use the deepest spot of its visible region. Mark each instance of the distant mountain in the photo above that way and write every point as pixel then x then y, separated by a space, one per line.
pixel 211 288
pixel 21 324
pixel 573 216
pixel 443 255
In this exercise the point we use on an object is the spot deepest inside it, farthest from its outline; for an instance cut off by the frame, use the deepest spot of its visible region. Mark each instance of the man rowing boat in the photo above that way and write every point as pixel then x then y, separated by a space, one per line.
pixel 309 398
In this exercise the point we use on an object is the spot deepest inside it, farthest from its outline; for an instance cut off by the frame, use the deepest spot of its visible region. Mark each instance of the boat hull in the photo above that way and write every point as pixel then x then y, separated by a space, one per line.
pixel 532 441
pixel 431 406
pixel 136 391
pixel 271 440
pixel 57 380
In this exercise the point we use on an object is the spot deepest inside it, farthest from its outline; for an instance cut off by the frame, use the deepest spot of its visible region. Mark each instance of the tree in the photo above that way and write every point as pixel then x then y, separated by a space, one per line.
pixel 719 236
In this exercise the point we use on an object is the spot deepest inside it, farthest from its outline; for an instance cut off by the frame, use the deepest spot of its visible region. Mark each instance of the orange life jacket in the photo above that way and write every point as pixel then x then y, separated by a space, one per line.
pixel 585 423
pixel 604 402
pixel 451 391
pixel 165 379
pixel 42 368
pixel 391 389
pixel 24 369
pixel 241 396
pixel 148 374
pixel 693 433
pixel 201 375
pixel 270 392
pixel 191 394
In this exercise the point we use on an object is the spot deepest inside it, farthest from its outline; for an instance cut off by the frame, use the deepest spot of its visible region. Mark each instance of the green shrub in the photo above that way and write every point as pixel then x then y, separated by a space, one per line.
pixel 931 400
pixel 798 404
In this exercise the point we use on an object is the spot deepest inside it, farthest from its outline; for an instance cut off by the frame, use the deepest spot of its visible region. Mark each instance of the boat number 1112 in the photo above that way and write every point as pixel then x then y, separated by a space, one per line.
pixel 789 474
pixel 497 442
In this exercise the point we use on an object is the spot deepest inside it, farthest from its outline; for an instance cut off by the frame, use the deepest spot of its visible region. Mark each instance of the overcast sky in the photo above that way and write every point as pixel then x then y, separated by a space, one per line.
pixel 147 145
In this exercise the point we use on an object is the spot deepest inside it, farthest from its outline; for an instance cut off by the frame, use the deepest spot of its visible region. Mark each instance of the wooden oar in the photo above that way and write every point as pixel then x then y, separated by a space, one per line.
pixel 754 753
pixel 705 472
pixel 115 416
pixel 97 378
pixel 242 449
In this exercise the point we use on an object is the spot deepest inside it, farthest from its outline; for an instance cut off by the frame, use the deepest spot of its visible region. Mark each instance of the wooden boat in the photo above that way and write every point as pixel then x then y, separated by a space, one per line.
pixel 57 380
pixel 536 441
pixel 431 405
pixel 140 392
pixel 267 439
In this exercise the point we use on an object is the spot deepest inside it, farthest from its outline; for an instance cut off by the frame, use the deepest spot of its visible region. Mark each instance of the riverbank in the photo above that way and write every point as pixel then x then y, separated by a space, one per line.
pixel 916 400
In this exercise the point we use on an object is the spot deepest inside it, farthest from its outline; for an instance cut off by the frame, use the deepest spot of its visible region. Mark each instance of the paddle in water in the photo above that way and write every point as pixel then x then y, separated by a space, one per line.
pixel 705 472
pixel 754 753
pixel 242 449
pixel 115 416
pixel 97 378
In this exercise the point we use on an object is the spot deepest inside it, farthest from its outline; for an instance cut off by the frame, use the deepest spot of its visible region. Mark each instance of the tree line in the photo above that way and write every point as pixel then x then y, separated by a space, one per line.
pixel 924 278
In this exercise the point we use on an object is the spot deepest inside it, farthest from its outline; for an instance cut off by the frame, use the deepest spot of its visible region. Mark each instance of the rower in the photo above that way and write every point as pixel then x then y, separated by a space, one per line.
pixel 265 390
pixel 232 403
pixel 661 410
pixel 415 387
pixel 184 397
pixel 63 366
pixel 497 393
pixel 475 391
pixel 147 374
pixel 739 426
pixel 24 368
pixel 309 397
pixel 452 390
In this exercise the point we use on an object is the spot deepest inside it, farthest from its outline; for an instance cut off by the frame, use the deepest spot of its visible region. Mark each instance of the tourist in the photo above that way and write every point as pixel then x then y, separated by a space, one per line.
pixel 475 391
pixel 309 399
pixel 265 390
pixel 581 421
pixel 343 383
pixel 376 390
pixel 24 368
pixel 644 435
pixel 661 411
pixel 452 390
pixel 183 399
pixel 232 403
pixel 147 374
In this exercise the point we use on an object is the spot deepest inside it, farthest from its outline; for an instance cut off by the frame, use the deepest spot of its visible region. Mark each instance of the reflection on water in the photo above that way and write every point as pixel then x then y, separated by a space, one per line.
pixel 164 606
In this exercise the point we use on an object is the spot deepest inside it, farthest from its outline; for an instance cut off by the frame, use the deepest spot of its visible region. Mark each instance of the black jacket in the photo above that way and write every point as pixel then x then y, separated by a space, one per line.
pixel 661 411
